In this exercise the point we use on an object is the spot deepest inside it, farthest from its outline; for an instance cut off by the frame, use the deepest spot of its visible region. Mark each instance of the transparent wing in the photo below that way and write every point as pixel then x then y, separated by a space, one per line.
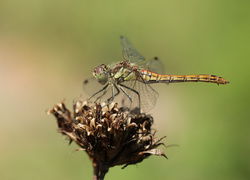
pixel 129 52
pixel 154 65
pixel 91 85
pixel 132 55
pixel 96 90
pixel 142 95
pixel 147 95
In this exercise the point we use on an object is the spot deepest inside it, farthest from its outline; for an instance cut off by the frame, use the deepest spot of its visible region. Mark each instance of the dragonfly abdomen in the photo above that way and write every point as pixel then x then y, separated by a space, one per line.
pixel 151 77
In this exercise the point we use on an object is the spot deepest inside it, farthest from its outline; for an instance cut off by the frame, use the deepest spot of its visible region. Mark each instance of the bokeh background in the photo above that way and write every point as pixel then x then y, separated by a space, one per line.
pixel 48 47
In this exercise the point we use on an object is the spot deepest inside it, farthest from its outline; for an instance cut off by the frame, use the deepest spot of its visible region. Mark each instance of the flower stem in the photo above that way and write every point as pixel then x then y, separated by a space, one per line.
pixel 96 171
pixel 99 171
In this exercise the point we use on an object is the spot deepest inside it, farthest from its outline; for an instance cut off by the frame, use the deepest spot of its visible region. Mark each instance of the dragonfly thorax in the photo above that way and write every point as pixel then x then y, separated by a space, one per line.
pixel 124 71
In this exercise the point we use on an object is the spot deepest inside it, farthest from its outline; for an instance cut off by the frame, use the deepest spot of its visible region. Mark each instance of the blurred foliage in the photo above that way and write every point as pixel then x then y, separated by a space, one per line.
pixel 47 48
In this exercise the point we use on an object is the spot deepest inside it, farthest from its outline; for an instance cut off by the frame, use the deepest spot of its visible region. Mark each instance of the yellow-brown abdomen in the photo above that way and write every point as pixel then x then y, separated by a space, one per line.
pixel 151 77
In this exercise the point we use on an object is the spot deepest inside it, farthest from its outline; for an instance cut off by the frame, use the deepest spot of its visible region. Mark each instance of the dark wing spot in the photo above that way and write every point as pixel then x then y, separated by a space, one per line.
pixel 86 81
pixel 156 58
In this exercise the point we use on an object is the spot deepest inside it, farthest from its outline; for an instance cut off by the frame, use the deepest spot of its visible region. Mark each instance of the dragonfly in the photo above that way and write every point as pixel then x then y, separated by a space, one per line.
pixel 133 77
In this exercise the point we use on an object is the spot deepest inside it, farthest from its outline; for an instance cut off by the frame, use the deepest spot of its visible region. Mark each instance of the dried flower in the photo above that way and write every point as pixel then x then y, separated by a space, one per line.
pixel 110 135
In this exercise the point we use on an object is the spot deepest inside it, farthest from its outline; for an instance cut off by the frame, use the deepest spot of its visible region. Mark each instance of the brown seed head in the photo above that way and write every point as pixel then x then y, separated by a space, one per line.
pixel 110 135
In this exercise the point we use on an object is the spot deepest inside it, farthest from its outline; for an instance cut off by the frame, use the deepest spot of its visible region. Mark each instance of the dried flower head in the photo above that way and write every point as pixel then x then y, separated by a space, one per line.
pixel 110 135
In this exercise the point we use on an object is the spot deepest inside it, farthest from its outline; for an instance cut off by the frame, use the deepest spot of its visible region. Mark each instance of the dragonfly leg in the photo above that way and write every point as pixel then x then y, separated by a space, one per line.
pixel 123 90
pixel 113 95
pixel 130 99
pixel 131 89
pixel 104 89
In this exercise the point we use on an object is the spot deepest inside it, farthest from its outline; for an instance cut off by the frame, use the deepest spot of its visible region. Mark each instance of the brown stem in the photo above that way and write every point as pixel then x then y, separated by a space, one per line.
pixel 99 171
pixel 96 171
pixel 103 170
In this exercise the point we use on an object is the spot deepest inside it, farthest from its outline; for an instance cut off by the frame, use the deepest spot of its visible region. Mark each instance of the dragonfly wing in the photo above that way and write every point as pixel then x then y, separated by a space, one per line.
pixel 147 95
pixel 129 52
pixel 90 85
pixel 96 90
pixel 154 65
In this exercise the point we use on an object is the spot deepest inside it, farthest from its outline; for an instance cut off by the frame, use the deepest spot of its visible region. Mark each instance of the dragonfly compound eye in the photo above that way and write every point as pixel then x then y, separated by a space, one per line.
pixel 100 73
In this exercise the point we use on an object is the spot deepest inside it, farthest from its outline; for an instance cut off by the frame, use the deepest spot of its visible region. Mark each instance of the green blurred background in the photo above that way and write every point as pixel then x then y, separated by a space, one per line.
pixel 48 47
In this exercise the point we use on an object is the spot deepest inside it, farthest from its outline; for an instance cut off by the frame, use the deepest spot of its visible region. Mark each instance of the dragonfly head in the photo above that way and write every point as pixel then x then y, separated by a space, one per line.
pixel 101 73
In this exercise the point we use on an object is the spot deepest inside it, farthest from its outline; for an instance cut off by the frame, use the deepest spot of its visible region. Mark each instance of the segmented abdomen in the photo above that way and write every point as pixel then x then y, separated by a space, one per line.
pixel 151 77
